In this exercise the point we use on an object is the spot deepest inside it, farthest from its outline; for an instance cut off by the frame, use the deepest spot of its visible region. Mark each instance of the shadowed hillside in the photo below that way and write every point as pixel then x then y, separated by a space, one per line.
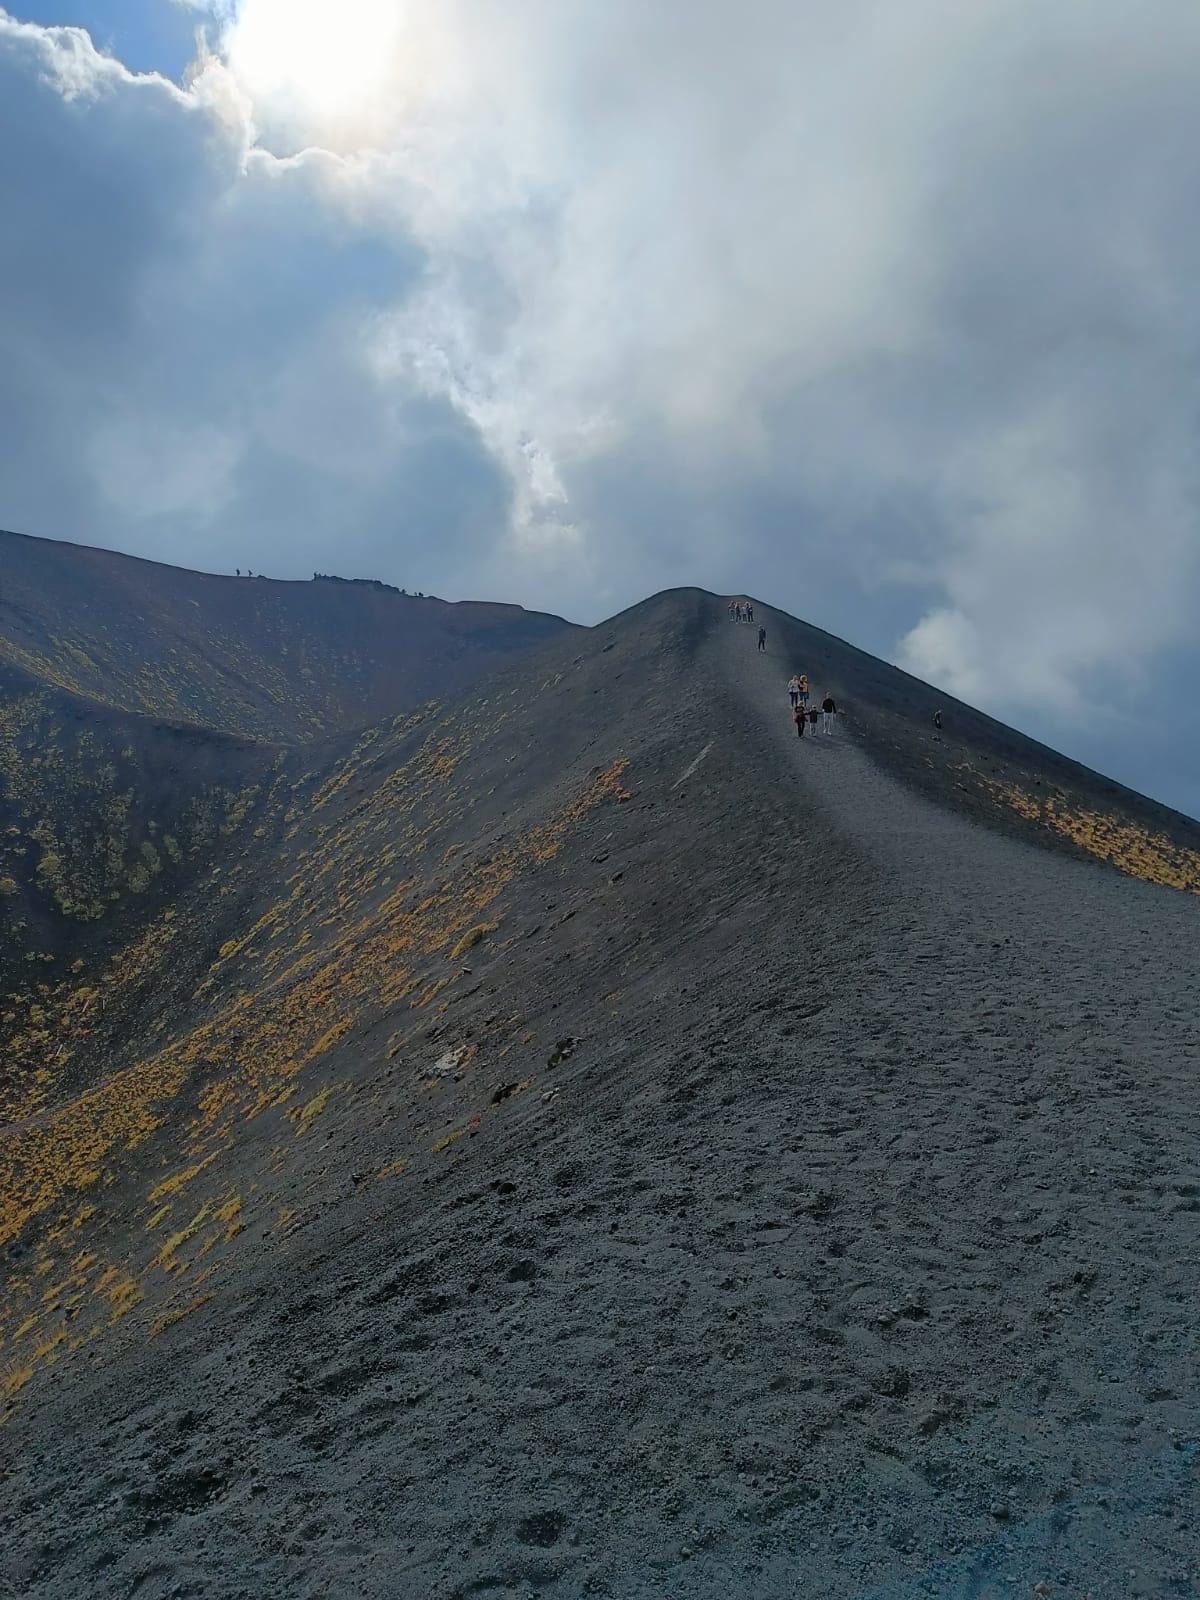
pixel 248 656
pixel 582 1139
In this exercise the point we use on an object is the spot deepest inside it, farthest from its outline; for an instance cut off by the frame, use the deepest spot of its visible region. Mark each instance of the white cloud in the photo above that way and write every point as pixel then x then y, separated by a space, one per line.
pixel 885 311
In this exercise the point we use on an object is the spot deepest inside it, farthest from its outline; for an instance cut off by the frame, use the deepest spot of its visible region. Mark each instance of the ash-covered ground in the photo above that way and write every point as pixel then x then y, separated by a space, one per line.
pixel 741 1165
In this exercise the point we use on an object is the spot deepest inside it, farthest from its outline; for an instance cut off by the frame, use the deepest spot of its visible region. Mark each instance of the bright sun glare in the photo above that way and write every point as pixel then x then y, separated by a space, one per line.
pixel 326 66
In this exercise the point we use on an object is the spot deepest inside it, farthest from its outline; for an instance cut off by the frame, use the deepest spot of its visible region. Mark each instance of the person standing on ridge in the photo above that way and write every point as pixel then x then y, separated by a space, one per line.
pixel 799 717
pixel 828 712
pixel 749 612
pixel 794 690
pixel 937 720
pixel 762 638
pixel 804 688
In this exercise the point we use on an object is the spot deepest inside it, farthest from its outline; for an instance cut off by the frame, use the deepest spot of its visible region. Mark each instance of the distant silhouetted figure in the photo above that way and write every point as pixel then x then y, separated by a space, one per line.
pixel 799 717
pixel 731 608
pixel 762 638
pixel 239 571
pixel 937 720
pixel 828 712
pixel 749 612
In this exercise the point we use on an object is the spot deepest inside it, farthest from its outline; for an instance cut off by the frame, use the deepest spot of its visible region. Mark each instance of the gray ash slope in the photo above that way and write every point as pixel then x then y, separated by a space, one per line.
pixel 801 1189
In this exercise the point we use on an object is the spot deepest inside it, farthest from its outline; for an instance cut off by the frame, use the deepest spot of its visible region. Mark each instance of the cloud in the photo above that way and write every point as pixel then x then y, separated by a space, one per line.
pixel 187 331
pixel 884 313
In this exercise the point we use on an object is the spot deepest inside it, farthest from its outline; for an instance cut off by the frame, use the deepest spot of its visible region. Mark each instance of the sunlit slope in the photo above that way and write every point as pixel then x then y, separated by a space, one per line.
pixel 301 987
pixel 170 1096
pixel 248 656
pixel 589 1066
pixel 978 766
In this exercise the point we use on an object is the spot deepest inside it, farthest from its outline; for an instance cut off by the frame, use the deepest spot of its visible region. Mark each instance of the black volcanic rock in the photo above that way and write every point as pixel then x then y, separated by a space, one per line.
pixel 858 1199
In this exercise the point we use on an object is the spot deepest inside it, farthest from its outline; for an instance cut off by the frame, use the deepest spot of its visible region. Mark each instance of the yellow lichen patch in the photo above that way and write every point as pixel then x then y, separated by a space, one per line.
pixel 14 1378
pixel 166 1257
pixel 229 1215
pixel 1127 845
pixel 120 1290
pixel 214 1100
pixel 447 1140
pixel 174 1184
pixel 304 1116
pixel 394 1168
pixel 168 1319
pixel 430 993
pixel 471 938
pixel 329 1038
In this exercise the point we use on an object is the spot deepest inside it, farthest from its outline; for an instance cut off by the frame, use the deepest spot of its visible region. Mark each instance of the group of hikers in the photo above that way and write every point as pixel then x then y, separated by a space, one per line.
pixel 804 715
pixel 743 611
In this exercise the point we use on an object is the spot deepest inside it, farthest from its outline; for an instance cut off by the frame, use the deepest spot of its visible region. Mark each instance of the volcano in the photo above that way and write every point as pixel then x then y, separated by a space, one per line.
pixel 544 1128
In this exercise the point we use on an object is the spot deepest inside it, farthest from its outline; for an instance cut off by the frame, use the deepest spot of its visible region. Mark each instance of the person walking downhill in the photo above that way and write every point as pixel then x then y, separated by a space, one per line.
pixel 762 638
pixel 828 712
pixel 813 714
pixel 804 688
pixel 794 690
pixel 799 717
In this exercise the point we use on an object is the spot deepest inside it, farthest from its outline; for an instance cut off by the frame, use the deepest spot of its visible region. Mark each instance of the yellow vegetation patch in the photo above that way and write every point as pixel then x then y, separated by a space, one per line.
pixel 431 993
pixel 1125 844
pixel 303 1116
pixel 329 1038
pixel 447 1140
pixel 169 1318
pixel 394 1168
pixel 120 1290
pixel 14 1378
pixel 174 1184
pixel 472 937
pixel 166 1257
pixel 230 1215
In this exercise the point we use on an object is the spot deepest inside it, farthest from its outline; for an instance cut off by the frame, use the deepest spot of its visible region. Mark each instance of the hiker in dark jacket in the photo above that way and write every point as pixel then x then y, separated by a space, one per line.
pixel 799 717
pixel 828 712
pixel 762 638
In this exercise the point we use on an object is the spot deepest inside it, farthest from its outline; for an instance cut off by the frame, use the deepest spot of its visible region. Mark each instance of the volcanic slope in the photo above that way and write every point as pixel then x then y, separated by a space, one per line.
pixel 252 657
pixel 143 710
pixel 593 1142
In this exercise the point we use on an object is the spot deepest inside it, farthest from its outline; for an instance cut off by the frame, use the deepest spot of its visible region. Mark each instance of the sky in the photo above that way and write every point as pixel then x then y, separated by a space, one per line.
pixel 885 315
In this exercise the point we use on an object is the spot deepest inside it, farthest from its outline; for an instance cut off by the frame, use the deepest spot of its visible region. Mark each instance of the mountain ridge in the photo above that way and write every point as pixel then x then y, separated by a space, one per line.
pixel 582 1136
pixel 277 659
